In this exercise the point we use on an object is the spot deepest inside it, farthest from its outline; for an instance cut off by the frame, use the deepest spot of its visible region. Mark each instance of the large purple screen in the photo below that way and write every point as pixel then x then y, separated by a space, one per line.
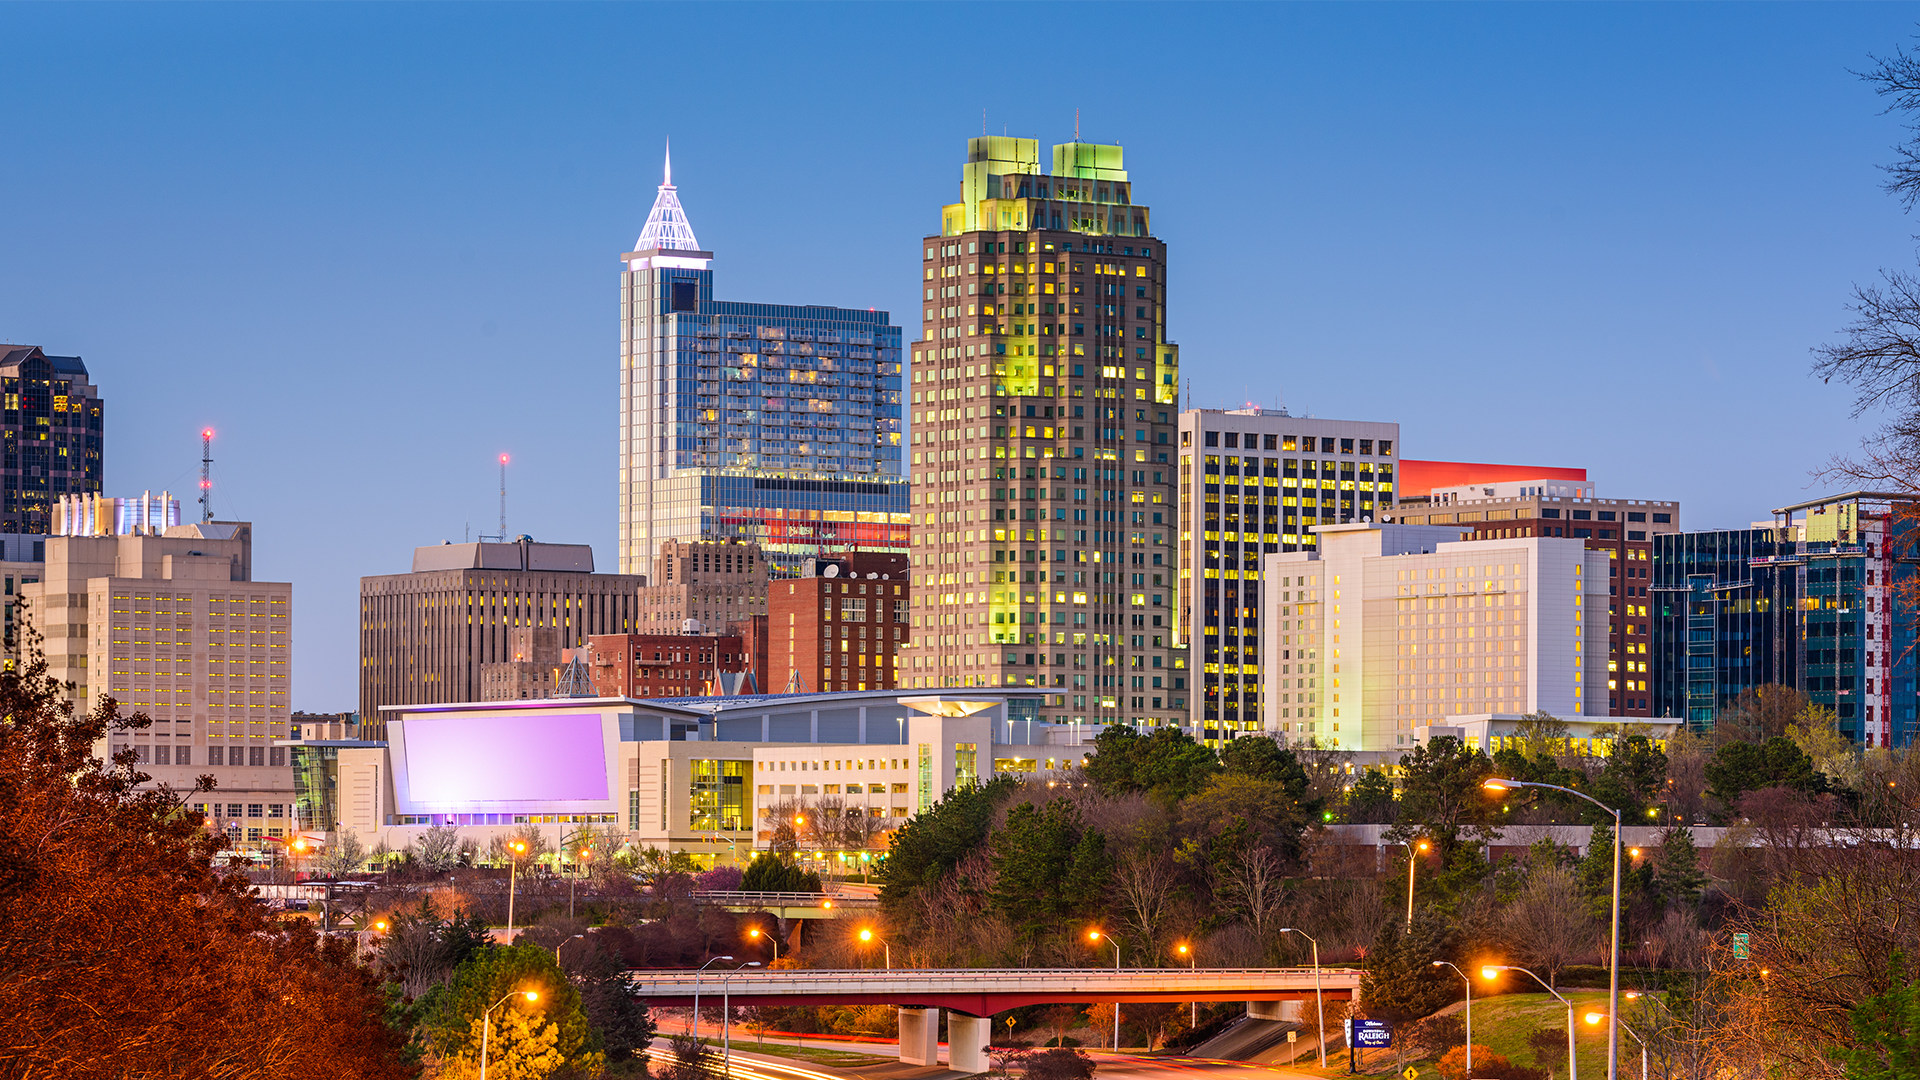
pixel 505 757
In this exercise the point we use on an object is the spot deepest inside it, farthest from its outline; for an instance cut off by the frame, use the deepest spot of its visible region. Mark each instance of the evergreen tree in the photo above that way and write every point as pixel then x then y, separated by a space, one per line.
pixel 495 973
pixel 1677 876
pixel 1370 801
pixel 771 873
pixel 934 841
pixel 1740 767
pixel 1046 867
pixel 1400 982
pixel 1166 763
pixel 1886 1030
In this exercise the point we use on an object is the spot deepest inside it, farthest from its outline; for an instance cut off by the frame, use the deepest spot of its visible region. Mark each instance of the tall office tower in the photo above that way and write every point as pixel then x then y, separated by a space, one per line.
pixel 1254 483
pixel 1811 600
pixel 1503 501
pixel 1044 407
pixel 1389 628
pixel 425 636
pixel 772 423
pixel 52 430
pixel 172 625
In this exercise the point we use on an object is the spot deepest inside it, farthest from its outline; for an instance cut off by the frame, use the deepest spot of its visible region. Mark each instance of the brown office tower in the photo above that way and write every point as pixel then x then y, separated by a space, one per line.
pixel 1044 403
pixel 841 627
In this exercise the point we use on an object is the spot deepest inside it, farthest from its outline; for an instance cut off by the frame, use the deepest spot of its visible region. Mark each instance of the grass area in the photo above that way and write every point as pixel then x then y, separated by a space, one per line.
pixel 817 1055
pixel 1503 1024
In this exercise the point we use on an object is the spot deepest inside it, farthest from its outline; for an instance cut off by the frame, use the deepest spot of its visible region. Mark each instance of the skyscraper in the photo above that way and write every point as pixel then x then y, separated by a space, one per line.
pixel 769 423
pixel 1044 407
pixel 52 427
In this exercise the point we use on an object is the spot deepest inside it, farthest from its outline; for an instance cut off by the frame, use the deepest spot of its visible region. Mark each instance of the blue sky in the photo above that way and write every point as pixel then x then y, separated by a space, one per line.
pixel 374 245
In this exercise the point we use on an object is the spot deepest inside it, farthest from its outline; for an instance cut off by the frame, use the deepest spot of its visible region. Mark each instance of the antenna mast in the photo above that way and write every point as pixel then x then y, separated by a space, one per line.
pixel 206 474
pixel 503 498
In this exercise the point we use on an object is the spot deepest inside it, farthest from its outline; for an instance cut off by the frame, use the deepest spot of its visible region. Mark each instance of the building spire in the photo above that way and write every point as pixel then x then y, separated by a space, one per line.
pixel 667 227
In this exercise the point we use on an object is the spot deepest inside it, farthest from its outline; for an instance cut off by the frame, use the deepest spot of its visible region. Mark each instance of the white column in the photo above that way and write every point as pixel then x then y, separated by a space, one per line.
pixel 920 1036
pixel 967 1039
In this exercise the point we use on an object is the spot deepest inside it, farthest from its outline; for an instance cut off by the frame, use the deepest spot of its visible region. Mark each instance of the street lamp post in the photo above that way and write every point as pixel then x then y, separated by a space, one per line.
pixel 1410 862
pixel 1319 1004
pixel 517 847
pixel 1094 935
pixel 1595 1018
pixel 726 1019
pixel 573 875
pixel 1573 1064
pixel 866 937
pixel 562 945
pixel 1193 1007
pixel 754 932
pixel 1463 975
pixel 696 990
pixel 1613 963
pixel 486 1024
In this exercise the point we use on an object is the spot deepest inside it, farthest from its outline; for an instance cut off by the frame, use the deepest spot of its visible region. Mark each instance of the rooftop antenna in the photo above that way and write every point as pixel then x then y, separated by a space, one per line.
pixel 983 121
pixel 1076 125
pixel 206 474
pixel 503 498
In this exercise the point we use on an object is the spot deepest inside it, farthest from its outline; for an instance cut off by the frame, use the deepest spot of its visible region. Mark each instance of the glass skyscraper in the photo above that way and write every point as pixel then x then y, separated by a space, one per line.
pixel 772 423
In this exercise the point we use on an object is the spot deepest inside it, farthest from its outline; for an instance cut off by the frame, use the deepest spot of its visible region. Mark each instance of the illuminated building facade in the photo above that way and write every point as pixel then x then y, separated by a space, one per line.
pixel 1253 483
pixel 773 424
pixel 1045 402
pixel 52 429
pixel 1386 629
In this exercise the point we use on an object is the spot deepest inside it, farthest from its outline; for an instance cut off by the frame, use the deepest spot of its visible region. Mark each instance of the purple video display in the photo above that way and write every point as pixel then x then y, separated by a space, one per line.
pixel 505 757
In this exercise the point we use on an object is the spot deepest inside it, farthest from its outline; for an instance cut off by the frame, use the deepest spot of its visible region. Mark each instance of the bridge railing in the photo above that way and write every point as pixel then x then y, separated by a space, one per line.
pixel 783 899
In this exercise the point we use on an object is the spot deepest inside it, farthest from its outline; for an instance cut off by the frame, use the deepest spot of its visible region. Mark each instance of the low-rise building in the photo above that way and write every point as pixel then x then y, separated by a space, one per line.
pixel 839 627
pixel 667 665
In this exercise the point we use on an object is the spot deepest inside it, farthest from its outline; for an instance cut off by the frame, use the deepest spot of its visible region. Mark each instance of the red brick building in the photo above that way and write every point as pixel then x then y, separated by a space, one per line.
pixel 664 665
pixel 839 627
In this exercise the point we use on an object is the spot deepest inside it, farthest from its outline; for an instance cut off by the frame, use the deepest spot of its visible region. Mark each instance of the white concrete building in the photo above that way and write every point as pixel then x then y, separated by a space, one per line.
pixel 687 774
pixel 1388 628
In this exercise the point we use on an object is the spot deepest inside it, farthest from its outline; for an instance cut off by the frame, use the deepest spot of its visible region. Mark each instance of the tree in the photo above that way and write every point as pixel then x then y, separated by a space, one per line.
pixel 689 1059
pixel 1817 734
pixel 1059 1063
pixel 123 949
pixel 1758 714
pixel 1740 767
pixel 770 873
pixel 1254 888
pixel 1886 1029
pixel 495 973
pixel 1370 801
pixel 1677 876
pixel 1441 797
pixel 1039 881
pixel 520 1044
pixel 1634 776
pixel 343 855
pixel 1540 734
pixel 616 1015
pixel 935 840
pixel 1166 763
pixel 1401 982
pixel 1261 757
pixel 1547 924
pixel 420 949
pixel 439 848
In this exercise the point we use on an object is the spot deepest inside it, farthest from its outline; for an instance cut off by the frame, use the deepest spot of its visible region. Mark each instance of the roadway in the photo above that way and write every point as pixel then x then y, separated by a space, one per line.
pixel 759 1065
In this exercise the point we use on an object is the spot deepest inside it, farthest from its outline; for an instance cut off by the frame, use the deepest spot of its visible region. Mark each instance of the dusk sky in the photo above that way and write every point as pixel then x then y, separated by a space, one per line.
pixel 375 246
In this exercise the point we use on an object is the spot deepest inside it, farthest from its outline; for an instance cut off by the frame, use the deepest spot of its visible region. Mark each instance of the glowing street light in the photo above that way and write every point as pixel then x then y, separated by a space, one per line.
pixel 1596 1017
pixel 867 937
pixel 1469 980
pixel 1613 965
pixel 1094 935
pixel 1319 1003
pixel 486 1024
pixel 518 847
pixel 1410 861
pixel 1193 964
pixel 756 934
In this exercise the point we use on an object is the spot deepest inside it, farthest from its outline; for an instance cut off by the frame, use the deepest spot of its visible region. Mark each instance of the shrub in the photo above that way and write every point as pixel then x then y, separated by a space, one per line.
pixel 1487 1065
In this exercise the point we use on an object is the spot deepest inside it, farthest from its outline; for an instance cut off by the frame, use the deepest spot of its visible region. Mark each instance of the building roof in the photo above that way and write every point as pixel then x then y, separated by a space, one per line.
pixel 1422 477
pixel 667 227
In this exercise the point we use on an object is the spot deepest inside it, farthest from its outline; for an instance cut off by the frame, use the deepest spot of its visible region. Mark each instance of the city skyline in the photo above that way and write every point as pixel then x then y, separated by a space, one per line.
pixel 363 337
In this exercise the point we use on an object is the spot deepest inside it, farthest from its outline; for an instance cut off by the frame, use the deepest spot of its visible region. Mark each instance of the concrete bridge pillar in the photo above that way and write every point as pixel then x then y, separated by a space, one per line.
pixel 920 1036
pixel 967 1040
pixel 1289 1010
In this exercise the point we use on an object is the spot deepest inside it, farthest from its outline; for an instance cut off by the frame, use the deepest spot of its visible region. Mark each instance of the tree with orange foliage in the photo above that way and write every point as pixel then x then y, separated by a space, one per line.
pixel 124 951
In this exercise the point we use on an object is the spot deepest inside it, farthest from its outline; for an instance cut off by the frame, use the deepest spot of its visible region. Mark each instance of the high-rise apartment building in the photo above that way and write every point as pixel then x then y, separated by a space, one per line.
pixel 425 635
pixel 1045 402
pixel 1811 600
pixel 172 625
pixel 1557 506
pixel 841 626
pixel 709 583
pixel 52 429
pixel 1253 483
pixel 776 424
pixel 1389 628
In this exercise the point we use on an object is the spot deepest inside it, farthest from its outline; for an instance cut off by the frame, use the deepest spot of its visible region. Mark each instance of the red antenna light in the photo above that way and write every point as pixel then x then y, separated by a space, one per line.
pixel 503 459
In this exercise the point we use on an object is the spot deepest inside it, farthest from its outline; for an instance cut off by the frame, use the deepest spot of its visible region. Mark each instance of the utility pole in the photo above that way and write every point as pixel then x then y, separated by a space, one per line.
pixel 206 475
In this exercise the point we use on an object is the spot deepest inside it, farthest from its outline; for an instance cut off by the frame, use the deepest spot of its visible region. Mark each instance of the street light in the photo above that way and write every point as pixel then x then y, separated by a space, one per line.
pixel 1491 971
pixel 1410 853
pixel 486 1024
pixel 726 1019
pixel 1319 1003
pixel 1094 935
pixel 518 847
pixel 696 990
pixel 755 933
pixel 867 938
pixel 1595 1018
pixel 1613 965
pixel 1463 975
pixel 573 875
pixel 1193 962
pixel 562 945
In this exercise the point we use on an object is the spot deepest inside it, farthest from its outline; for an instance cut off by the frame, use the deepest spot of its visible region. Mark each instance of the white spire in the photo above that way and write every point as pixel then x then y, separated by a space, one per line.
pixel 667 226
